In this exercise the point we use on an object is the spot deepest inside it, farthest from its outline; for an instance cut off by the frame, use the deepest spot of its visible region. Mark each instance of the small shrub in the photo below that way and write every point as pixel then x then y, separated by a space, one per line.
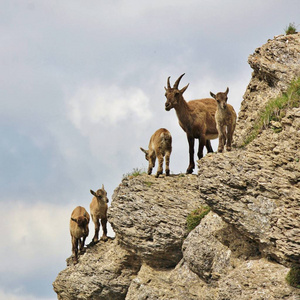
pixel 194 218
pixel 148 183
pixel 291 29
pixel 293 277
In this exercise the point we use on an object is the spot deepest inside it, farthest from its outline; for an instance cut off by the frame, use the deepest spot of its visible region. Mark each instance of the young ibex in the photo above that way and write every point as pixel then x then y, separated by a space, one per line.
pixel 98 209
pixel 160 146
pixel 225 120
pixel 196 118
pixel 79 230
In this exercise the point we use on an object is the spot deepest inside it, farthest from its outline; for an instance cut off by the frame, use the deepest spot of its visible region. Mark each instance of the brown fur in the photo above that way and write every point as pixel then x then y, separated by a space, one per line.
pixel 98 209
pixel 160 146
pixel 225 120
pixel 196 118
pixel 79 230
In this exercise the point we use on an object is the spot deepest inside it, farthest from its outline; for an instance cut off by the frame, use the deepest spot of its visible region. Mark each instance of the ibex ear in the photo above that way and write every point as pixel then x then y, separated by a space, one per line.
pixel 102 186
pixel 227 90
pixel 143 150
pixel 166 89
pixel 93 193
pixel 213 95
pixel 184 88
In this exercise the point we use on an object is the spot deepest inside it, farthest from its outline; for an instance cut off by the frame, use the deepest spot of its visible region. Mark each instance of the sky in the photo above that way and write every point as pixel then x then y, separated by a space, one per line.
pixel 82 88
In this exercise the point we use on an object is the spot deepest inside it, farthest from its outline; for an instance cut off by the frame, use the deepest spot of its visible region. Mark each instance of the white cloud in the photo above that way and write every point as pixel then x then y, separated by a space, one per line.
pixel 107 106
pixel 18 295
pixel 38 236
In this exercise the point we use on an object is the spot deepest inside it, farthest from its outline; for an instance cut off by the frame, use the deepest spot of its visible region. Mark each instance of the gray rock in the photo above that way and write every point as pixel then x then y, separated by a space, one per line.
pixel 103 272
pixel 257 190
pixel 148 215
pixel 229 247
pixel 275 65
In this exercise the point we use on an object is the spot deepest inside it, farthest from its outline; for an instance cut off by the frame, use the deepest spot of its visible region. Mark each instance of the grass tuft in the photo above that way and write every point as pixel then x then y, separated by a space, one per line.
pixel 291 29
pixel 275 110
pixel 135 172
pixel 194 218
pixel 293 277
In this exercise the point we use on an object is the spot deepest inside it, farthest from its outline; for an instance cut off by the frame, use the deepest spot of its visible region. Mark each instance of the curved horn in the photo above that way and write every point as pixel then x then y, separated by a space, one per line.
pixel 227 90
pixel 177 81
pixel 169 86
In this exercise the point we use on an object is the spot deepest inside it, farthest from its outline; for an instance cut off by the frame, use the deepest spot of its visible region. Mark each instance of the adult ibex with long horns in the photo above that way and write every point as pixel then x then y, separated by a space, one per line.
pixel 196 118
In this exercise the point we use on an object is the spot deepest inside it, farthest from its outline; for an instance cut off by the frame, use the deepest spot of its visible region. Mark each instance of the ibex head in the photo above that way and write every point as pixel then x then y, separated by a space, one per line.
pixel 81 221
pixel 173 94
pixel 146 153
pixel 100 194
pixel 221 98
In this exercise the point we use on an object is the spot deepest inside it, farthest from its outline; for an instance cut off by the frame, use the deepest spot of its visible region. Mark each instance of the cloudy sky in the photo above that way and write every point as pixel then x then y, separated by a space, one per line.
pixel 82 88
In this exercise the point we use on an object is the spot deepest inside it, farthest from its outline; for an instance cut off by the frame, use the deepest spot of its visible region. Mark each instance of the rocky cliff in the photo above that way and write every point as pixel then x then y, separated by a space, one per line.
pixel 242 249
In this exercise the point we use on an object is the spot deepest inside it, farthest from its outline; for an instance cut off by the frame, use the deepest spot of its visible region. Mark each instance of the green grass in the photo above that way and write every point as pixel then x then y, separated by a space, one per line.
pixel 291 29
pixel 135 172
pixel 293 277
pixel 194 218
pixel 275 110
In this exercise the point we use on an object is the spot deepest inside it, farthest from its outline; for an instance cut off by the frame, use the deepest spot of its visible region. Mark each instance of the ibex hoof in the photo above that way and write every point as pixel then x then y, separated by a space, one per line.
pixel 95 241
pixel 157 174
pixel 104 238
pixel 167 172
pixel 189 171
pixel 75 260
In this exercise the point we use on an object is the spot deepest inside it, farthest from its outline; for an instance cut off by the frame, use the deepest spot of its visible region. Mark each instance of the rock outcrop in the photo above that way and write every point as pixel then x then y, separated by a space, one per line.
pixel 149 215
pixel 275 65
pixel 244 248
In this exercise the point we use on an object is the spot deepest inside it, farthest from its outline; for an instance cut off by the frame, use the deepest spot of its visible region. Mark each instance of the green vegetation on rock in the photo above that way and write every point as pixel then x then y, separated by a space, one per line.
pixel 194 218
pixel 291 29
pixel 275 110
pixel 135 172
pixel 293 277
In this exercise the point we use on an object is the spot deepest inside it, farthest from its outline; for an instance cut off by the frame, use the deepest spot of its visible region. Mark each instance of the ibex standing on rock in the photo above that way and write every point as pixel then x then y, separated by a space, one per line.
pixel 196 118
pixel 160 146
pixel 225 120
pixel 79 230
pixel 98 209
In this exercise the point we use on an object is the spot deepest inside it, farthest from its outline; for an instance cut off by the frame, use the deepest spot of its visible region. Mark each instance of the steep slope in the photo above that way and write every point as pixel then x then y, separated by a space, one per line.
pixel 244 247
pixel 275 65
